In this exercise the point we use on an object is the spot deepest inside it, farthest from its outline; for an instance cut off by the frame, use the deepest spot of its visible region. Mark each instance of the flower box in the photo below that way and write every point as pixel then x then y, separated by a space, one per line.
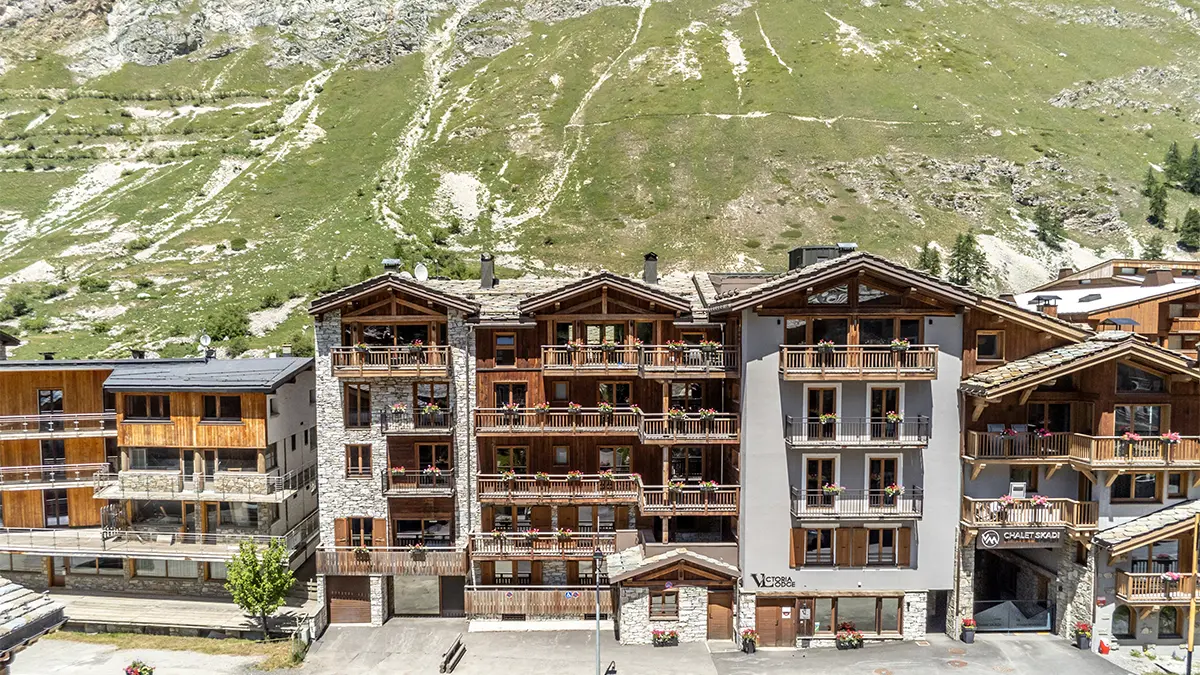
pixel 900 345
pixel 708 486
pixel 968 631
pixel 414 347
pixel 665 638
pixel 541 477
pixel 832 489
pixel 398 408
pixel 574 477
pixel 825 347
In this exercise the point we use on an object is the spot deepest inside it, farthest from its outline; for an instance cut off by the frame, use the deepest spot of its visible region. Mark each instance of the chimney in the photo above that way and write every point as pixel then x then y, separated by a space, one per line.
pixel 1158 276
pixel 1064 272
pixel 1009 298
pixel 392 265
pixel 137 353
pixel 650 268
pixel 1047 304
pixel 487 271
pixel 286 350
pixel 47 356
pixel 209 354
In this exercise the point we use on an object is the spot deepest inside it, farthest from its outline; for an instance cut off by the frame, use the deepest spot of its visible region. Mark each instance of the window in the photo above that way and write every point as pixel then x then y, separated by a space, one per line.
pixel 217 571
pixel 1157 558
pixel 560 391
pixel 1142 487
pixel 437 393
pixel 1024 474
pixel 50 401
pixel 562 455
pixel 98 566
pixel 989 345
pixel 154 459
pixel 563 333
pixel 240 515
pixel 1081 553
pixel 857 611
pixel 1122 622
pixel 1175 485
pixel 1142 419
pixel 173 569
pixel 418 531
pixel 270 458
pixel 273 406
pixel 306 432
pixel 362 531
pixel 1055 417
pixel 594 334
pixel 615 459
pixel 54 453
pixel 1130 379
pixel 17 562
pixel 818 548
pixel 358 405
pixel 687 464
pixel 644 331
pixel 1127 271
pixel 512 518
pixel 222 409
pixel 823 616
pixel 687 396
pixel 358 461
pixel 506 349
pixel 510 572
pixel 147 407
pixel 54 507
pixel 664 605
pixel 1168 623
pixel 510 392
pixel 512 459
pixel 615 393
pixel 881 547
pixel 434 454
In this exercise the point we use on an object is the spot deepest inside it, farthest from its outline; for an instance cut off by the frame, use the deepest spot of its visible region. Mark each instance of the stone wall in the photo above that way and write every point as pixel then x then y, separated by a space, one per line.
pixel 634 615
pixel 554 573
pixel 151 481
pixel 1076 589
pixel 148 585
pixel 241 482
pixel 379 592
pixel 744 618
pixel 916 608
pixel 961 604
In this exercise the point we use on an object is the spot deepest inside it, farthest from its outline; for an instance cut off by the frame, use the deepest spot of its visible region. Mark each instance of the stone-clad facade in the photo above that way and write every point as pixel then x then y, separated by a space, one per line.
pixel 637 627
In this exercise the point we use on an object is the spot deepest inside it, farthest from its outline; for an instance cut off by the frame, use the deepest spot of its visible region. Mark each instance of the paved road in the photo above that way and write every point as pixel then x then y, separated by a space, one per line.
pixel 60 657
pixel 201 613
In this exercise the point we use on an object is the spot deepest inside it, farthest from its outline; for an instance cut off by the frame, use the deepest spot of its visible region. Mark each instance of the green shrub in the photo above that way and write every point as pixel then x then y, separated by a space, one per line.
pixel 139 244
pixel 177 351
pixel 48 291
pixel 237 346
pixel 238 244
pixel 34 324
pixel 838 219
pixel 19 304
pixel 227 322
pixel 143 282
pixel 302 345
pixel 6 312
pixel 270 301
pixel 93 285
pixel 101 327
pixel 753 243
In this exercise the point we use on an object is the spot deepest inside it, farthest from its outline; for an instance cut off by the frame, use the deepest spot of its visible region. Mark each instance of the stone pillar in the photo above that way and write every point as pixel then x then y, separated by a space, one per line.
pixel 915 612
pixel 378 599
pixel 961 604
pixel 466 460
pixel 1075 595
pixel 744 617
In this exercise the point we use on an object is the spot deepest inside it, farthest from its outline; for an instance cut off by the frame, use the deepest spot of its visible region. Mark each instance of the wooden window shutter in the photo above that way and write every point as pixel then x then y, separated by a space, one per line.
pixel 488 521
pixel 487 570
pixel 341 532
pixel 904 547
pixel 792 554
pixel 379 533
pixel 858 557
pixel 842 542
pixel 539 517
pixel 572 573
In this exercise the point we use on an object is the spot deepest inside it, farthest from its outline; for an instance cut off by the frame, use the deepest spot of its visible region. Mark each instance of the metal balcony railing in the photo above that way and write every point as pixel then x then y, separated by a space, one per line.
pixel 24 477
pixel 872 504
pixel 416 422
pixel 58 425
pixel 803 432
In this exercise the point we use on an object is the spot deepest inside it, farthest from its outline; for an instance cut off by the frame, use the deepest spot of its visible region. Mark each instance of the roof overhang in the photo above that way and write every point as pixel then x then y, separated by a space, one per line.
pixel 1165 532
pixel 709 569
pixel 391 282
pixel 535 303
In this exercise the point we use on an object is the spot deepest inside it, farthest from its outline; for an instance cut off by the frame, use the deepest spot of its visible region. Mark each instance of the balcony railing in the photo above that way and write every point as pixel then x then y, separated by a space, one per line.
pixel 690 500
pixel 558 422
pixel 58 425
pixel 1004 446
pixel 560 602
pixel 219 486
pixel 47 475
pixel 590 359
pixel 1068 513
pixel 1185 324
pixel 810 362
pixel 661 428
pixel 1115 451
pixel 691 361
pixel 408 560
pixel 559 489
pixel 416 422
pixel 403 361
pixel 540 545
pixel 806 432
pixel 872 504
pixel 419 483
pixel 1154 588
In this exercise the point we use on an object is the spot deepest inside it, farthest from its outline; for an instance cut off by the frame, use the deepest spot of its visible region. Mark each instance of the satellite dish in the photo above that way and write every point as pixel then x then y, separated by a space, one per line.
pixel 405 275
pixel 421 272
pixel 205 341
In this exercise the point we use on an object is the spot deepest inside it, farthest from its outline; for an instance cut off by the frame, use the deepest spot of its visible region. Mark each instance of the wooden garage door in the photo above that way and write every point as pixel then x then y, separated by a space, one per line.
pixel 349 599
pixel 775 620
pixel 720 615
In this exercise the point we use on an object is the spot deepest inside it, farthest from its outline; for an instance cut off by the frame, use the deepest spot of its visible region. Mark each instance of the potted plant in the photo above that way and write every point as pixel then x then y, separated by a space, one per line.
pixel 707 414
pixel 900 344
pixel 1170 581
pixel 635 408
pixel 606 478
pixel 1009 431
pixel 1170 438
pixel 893 490
pixel 562 534
pixel 511 409
pixel 827 418
pixel 676 346
pixel 508 475
pixel 674 487
pixel 1040 500
pixel 361 347
pixel 574 476
pixel 398 408
pixel 677 414
pixel 361 552
pixel 708 486
pixel 414 347
pixel 574 408
pixel 893 417
pixel 968 631
pixel 542 408
pixel 832 489
pixel 749 640
pixel 825 347
pixel 417 551
pixel 497 534
pixel 1007 501
pixel 1083 635
pixel 531 534
pixel 709 346
pixel 432 471
pixel 1131 437
pixel 608 347
pixel 665 638
pixel 139 668
pixel 605 409
pixel 398 471
pixel 431 409
pixel 848 639
pixel 541 477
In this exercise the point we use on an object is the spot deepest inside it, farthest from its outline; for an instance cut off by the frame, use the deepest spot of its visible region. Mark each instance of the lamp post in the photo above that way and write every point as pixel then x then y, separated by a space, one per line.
pixel 597 560
pixel 1191 643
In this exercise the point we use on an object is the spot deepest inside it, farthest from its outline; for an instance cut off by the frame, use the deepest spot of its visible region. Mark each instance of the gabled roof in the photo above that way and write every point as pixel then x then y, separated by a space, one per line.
pixel 1032 370
pixel 1092 299
pixel 1162 524
pixel 213 375
pixel 8 340
pixel 27 615
pixel 671 558
pixel 390 281
pixel 604 278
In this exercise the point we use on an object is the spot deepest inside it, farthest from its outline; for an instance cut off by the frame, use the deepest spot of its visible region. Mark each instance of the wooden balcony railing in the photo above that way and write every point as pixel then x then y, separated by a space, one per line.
pixel 1068 513
pixel 1154 588
pixel 873 504
pixel 418 483
pixel 558 489
pixel 376 361
pixel 560 602
pixel 540 545
pixel 810 362
pixel 58 425
pixel 803 432
pixel 1185 324
pixel 1115 451
pixel 416 422
pixel 661 428
pixel 590 359
pixel 1017 446
pixel 25 477
pixel 558 422
pixel 690 500
pixel 430 561
pixel 692 361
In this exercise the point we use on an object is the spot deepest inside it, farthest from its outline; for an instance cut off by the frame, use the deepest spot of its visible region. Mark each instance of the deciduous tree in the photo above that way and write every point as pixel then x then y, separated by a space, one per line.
pixel 259 579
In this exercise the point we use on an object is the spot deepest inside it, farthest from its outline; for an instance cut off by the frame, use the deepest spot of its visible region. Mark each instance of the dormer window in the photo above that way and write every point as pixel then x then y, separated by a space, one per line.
pixel 1136 380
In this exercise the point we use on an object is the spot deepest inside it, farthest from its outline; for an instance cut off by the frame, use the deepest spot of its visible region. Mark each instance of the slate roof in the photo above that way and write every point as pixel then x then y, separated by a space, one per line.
pixel 1183 512
pixel 86 364
pixel 8 340
pixel 627 568
pixel 215 375
pixel 25 616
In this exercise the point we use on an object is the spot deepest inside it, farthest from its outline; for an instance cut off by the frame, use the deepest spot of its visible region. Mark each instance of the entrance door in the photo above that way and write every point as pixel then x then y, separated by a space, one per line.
pixel 720 615
pixel 349 599
pixel 883 401
pixel 819 472
pixel 454 604
pixel 804 618
pixel 775 622
pixel 821 401
pixel 58 572
pixel 881 472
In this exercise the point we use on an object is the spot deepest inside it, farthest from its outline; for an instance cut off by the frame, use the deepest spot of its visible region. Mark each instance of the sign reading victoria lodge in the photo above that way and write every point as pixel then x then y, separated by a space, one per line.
pixel 1019 537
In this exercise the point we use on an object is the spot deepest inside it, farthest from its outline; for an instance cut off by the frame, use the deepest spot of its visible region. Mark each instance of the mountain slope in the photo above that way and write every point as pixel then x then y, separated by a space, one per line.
pixel 227 153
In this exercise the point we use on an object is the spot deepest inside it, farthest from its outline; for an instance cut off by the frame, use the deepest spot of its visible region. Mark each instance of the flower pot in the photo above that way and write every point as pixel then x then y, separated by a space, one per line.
pixel 672 642
pixel 748 646
pixel 1083 642
pixel 968 636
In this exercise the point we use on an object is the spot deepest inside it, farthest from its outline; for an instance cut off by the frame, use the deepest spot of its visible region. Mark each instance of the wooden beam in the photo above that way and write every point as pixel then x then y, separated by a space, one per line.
pixel 976 469
pixel 977 411
pixel 1087 472
pixel 1112 477
pixel 969 536
pixel 604 300
pixel 1025 396
pixel 1144 612
pixel 1196 479
pixel 1051 470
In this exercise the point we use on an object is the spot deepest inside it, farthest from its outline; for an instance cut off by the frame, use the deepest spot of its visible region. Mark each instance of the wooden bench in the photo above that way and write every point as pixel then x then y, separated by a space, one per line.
pixel 453 655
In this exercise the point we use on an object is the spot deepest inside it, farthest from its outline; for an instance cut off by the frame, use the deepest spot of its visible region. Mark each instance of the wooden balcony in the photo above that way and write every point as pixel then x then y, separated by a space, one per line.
pixel 558 602
pixel 46 476
pixel 857 432
pixel 556 422
pixel 857 362
pixel 419 483
pixel 416 423
pixel 1114 452
pixel 661 429
pixel 1185 324
pixel 1017 448
pixel 558 489
pixel 578 360
pixel 1068 513
pixel 858 504
pixel 539 546
pixel 376 361
pixel 58 425
pixel 691 362
pixel 690 500
pixel 1153 588
pixel 432 561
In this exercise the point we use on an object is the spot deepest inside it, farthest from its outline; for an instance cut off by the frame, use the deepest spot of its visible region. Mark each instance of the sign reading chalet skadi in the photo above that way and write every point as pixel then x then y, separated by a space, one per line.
pixel 1019 537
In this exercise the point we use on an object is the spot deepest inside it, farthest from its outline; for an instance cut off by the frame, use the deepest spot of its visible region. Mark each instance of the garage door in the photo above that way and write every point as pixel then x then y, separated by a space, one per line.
pixel 720 615
pixel 349 599
pixel 775 620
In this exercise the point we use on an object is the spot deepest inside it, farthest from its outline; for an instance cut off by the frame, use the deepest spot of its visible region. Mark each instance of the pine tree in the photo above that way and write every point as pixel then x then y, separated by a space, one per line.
pixel 1189 232
pixel 364 273
pixel 968 264
pixel 1050 230
pixel 1152 249
pixel 1191 181
pixel 930 260
pixel 1150 182
pixel 1173 163
pixel 259 585
pixel 1158 206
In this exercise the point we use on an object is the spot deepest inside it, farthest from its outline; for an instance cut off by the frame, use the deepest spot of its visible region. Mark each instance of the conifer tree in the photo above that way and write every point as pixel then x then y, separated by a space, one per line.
pixel 930 260
pixel 1191 180
pixel 968 264
pixel 1152 249
pixel 1050 230
pixel 1189 232
pixel 1150 182
pixel 1173 163
pixel 1158 206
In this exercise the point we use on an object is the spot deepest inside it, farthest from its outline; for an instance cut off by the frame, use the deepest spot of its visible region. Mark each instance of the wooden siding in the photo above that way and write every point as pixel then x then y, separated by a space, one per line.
pixel 85 451
pixel 83 390
pixel 583 455
pixel 1019 341
pixel 21 453
pixel 24 508
pixel 417 508
pixel 83 509
pixel 186 430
